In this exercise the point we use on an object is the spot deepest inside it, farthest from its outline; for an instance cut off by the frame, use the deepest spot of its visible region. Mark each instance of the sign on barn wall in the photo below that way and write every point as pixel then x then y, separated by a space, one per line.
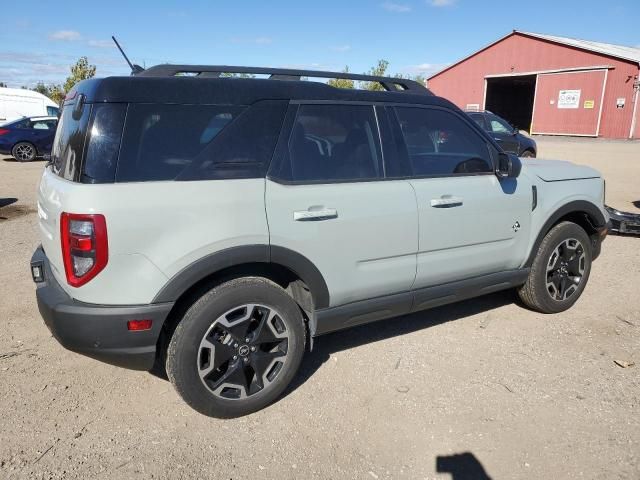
pixel 569 99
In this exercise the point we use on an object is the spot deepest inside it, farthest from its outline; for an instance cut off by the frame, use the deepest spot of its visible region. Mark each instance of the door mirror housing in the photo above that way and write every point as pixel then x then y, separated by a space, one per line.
pixel 509 166
pixel 516 130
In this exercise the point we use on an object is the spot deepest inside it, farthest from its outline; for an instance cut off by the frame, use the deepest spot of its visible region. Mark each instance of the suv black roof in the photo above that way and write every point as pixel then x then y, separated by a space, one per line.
pixel 198 84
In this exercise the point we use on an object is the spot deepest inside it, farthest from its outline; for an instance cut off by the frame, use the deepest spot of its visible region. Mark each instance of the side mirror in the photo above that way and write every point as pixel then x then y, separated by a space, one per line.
pixel 516 130
pixel 509 166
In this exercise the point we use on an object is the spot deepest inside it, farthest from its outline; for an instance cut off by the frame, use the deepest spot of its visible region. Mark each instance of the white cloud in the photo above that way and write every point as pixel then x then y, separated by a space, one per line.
pixel 101 43
pixel 263 40
pixel 396 7
pixel 441 3
pixel 425 69
pixel 341 48
pixel 65 35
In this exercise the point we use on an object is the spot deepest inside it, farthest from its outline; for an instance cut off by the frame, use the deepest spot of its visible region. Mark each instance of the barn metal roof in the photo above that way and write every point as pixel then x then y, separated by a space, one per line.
pixel 618 51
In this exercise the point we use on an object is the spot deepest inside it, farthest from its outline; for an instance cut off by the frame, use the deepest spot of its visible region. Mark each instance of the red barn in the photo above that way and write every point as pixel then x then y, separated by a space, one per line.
pixel 550 85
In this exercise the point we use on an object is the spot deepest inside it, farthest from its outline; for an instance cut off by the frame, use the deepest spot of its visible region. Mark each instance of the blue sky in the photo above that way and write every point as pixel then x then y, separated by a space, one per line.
pixel 39 40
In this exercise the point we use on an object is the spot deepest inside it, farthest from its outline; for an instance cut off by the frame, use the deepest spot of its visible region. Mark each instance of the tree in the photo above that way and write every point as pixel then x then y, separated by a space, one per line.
pixel 3 85
pixel 421 79
pixel 57 94
pixel 342 82
pixel 80 71
pixel 42 89
pixel 378 71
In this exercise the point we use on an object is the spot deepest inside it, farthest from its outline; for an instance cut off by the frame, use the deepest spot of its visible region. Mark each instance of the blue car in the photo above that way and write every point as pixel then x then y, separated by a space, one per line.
pixel 28 138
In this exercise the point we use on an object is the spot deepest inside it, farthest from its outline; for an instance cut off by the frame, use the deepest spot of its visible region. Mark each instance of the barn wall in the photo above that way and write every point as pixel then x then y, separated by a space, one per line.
pixel 464 83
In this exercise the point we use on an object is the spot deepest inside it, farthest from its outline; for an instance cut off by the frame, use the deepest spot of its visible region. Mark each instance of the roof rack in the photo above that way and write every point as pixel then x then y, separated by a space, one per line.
pixel 214 71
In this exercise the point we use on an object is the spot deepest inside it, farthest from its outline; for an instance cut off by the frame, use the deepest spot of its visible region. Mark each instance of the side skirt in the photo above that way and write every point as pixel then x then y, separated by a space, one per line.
pixel 357 313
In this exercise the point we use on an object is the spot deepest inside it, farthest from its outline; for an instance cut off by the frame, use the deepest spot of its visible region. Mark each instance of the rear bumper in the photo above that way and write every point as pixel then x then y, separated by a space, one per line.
pixel 98 331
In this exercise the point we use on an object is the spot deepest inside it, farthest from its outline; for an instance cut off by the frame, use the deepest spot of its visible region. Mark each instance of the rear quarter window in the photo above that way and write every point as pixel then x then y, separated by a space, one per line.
pixel 68 145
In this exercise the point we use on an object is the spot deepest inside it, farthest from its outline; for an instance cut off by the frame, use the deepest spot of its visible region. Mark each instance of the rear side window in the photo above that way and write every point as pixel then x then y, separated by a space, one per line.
pixel 439 143
pixel 161 141
pixel 53 111
pixel 244 149
pixel 105 130
pixel 334 143
pixel 68 145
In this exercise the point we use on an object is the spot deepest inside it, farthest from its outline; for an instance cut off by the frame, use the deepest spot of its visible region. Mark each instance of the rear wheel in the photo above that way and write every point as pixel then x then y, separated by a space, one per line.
pixel 237 348
pixel 560 270
pixel 24 151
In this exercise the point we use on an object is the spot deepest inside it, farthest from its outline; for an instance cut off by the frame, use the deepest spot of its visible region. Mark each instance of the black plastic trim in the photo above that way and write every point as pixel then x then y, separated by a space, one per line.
pixel 98 331
pixel 202 268
pixel 380 308
pixel 435 296
pixel 365 311
pixel 593 213
pixel 236 256
pixel 306 270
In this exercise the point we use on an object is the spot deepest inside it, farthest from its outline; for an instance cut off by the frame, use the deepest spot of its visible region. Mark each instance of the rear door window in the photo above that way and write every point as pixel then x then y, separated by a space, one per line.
pixel 332 143
pixel 161 141
pixel 440 144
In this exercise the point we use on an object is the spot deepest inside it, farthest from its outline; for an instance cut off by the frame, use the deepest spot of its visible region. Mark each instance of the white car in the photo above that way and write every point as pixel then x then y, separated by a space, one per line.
pixel 216 225
pixel 16 103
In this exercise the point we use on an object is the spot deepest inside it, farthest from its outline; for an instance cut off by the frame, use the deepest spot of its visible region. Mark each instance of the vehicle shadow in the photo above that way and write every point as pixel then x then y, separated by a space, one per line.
pixel 4 202
pixel 13 160
pixel 636 203
pixel 325 345
pixel 461 466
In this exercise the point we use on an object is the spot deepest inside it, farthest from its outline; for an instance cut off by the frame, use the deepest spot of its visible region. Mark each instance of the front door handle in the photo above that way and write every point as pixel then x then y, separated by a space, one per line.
pixel 446 201
pixel 315 214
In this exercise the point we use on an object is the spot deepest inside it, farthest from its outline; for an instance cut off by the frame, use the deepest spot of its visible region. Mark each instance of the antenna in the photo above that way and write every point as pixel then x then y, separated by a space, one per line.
pixel 135 69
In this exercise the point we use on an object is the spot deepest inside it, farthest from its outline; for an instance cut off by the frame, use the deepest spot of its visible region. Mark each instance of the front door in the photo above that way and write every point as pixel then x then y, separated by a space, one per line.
pixel 327 199
pixel 471 223
pixel 503 133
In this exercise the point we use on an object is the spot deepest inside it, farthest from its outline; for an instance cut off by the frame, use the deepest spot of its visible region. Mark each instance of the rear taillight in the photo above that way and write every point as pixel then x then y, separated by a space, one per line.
pixel 84 246
pixel 4 131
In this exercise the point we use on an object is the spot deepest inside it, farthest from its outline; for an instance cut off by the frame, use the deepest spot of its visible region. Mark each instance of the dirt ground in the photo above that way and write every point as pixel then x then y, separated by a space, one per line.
pixel 481 389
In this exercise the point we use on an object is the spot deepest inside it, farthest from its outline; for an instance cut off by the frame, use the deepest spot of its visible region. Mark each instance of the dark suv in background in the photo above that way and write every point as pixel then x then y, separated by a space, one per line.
pixel 507 136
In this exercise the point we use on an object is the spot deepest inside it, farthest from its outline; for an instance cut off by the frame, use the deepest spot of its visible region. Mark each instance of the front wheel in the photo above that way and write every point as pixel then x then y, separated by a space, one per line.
pixel 237 348
pixel 528 154
pixel 24 151
pixel 560 270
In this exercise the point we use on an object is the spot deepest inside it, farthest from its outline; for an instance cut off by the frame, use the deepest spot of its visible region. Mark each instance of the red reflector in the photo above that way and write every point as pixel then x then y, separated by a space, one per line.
pixel 4 131
pixel 80 243
pixel 137 325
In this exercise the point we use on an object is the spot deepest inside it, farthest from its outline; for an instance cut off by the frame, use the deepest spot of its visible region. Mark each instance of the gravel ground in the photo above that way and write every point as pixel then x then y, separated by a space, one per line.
pixel 479 389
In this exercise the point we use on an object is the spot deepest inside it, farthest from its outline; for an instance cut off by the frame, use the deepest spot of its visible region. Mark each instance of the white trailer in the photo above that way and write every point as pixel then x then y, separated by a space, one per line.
pixel 18 102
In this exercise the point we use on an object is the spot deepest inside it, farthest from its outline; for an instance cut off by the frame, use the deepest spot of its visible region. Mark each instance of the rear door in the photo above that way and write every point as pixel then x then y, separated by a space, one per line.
pixel 471 223
pixel 327 199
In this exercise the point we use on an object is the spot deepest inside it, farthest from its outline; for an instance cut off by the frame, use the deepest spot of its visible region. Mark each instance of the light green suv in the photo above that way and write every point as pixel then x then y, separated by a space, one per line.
pixel 214 225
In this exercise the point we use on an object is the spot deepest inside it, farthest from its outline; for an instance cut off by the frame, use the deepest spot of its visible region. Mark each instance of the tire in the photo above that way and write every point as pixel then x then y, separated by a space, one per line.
pixel 237 348
pixel 528 154
pixel 560 270
pixel 24 151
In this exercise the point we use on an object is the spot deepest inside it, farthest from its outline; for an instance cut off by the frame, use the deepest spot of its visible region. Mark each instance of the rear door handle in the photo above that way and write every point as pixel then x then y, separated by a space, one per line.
pixel 315 214
pixel 497 139
pixel 446 201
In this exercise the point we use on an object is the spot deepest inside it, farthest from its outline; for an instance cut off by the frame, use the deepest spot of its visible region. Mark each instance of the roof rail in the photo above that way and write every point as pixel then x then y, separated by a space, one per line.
pixel 213 71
